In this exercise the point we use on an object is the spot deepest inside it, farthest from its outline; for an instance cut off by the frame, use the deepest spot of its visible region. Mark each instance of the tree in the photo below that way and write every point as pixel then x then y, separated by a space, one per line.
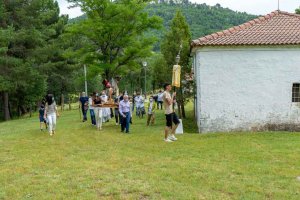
pixel 115 34
pixel 160 72
pixel 297 11
pixel 26 26
pixel 54 61
pixel 179 33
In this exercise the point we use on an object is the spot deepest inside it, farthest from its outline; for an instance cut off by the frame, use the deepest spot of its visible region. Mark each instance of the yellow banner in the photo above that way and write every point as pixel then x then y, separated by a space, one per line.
pixel 176 76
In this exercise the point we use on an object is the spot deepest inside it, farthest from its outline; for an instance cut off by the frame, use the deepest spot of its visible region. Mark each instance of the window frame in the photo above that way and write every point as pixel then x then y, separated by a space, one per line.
pixel 296 93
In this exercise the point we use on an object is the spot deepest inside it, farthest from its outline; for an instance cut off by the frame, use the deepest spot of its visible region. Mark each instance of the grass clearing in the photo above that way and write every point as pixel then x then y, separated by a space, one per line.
pixel 82 163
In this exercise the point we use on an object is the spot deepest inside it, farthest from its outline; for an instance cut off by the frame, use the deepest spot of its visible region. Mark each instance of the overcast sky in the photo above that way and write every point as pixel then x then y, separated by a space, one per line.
pixel 259 7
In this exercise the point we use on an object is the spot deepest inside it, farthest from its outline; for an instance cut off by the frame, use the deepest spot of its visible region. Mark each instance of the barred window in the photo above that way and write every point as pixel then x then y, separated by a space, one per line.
pixel 296 92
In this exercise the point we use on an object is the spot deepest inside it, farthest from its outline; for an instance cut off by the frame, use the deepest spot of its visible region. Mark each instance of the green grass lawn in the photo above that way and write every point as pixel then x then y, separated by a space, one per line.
pixel 82 163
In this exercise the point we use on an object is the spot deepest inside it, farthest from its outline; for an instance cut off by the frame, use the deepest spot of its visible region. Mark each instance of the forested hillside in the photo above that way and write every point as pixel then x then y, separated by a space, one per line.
pixel 202 19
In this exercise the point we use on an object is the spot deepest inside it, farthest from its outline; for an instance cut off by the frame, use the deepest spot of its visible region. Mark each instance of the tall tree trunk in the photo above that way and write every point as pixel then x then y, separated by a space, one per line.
pixel 70 107
pixel 183 110
pixel 182 103
pixel 19 111
pixel 6 106
pixel 23 110
pixel 62 102
pixel 30 110
pixel 179 109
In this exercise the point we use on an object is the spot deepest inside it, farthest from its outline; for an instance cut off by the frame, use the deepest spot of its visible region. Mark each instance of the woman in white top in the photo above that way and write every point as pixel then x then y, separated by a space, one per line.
pixel 51 113
pixel 106 111
pixel 98 111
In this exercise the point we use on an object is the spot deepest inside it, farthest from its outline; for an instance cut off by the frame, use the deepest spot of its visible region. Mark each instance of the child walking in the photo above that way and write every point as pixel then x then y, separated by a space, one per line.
pixel 151 111
pixel 41 117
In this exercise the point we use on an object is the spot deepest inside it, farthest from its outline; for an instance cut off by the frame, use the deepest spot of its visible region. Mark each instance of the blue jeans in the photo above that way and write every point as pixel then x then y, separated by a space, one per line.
pixel 84 114
pixel 93 118
pixel 125 121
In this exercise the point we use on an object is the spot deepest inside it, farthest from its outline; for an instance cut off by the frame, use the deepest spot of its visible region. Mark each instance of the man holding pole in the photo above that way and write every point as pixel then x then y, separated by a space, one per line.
pixel 171 116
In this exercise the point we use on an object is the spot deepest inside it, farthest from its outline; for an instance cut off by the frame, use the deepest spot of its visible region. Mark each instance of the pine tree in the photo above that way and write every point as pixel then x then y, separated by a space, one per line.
pixel 26 26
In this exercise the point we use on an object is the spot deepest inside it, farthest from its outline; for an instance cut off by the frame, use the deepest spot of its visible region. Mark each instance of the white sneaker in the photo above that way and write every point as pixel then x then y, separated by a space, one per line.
pixel 168 140
pixel 172 137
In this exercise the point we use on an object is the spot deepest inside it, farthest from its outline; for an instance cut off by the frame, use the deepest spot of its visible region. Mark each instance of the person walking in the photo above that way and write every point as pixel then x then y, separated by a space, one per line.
pixel 151 111
pixel 41 117
pixel 51 113
pixel 160 100
pixel 124 110
pixel 98 111
pixel 84 105
pixel 105 111
pixel 91 107
pixel 140 106
pixel 171 116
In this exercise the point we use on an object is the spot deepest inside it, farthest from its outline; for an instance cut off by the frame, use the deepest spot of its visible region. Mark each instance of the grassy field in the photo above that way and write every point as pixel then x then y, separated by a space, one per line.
pixel 82 163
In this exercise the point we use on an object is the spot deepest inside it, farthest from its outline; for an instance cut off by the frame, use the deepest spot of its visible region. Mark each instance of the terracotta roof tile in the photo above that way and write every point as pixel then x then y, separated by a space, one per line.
pixel 276 28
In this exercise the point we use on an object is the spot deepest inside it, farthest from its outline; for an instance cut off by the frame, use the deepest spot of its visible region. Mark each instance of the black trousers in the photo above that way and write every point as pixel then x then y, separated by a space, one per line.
pixel 117 116
pixel 161 105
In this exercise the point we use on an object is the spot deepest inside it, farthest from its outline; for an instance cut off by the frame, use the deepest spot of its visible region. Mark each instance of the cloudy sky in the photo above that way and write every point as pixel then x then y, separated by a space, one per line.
pixel 259 7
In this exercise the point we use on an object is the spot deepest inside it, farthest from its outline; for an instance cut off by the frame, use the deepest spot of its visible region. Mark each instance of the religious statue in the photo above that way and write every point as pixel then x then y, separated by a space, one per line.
pixel 111 89
pixel 176 76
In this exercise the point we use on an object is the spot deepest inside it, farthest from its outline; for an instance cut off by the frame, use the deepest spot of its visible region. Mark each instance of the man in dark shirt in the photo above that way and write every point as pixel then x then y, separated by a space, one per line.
pixel 84 104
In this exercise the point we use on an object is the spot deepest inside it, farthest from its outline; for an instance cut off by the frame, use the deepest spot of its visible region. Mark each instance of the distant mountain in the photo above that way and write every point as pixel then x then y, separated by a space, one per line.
pixel 203 19
pixel 76 19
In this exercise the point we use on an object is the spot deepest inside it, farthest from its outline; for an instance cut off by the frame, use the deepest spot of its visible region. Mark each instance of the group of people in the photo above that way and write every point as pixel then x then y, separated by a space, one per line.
pixel 157 102
pixel 124 107
pixel 93 103
pixel 139 102
pixel 121 110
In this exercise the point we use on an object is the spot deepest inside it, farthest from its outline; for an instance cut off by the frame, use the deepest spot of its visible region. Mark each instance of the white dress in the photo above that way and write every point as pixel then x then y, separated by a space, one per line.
pixel 106 111
pixel 99 118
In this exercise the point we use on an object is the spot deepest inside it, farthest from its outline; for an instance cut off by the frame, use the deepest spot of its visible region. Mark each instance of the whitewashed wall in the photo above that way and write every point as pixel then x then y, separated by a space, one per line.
pixel 247 89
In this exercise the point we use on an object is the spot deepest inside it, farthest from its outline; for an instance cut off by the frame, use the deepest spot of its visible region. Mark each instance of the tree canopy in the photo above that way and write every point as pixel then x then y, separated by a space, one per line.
pixel 202 18
pixel 29 30
pixel 115 32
